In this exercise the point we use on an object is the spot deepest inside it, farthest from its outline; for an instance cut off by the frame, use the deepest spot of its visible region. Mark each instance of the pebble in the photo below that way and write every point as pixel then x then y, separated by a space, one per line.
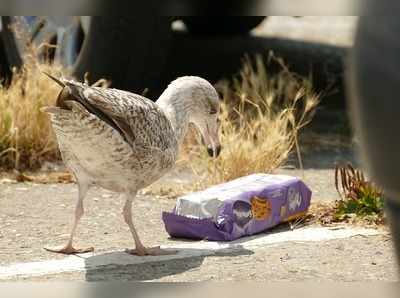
pixel 339 247
pixel 285 257
pixel 22 188
pixel 7 181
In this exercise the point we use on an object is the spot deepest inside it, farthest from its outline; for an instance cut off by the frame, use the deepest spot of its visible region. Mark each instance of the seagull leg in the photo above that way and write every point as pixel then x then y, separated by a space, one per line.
pixel 140 249
pixel 68 248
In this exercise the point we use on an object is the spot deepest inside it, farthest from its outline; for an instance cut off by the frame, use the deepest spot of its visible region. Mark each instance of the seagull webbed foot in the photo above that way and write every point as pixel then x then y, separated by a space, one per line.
pixel 69 249
pixel 150 251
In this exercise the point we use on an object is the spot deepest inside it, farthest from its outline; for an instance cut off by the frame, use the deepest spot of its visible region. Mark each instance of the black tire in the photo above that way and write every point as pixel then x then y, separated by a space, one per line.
pixel 221 25
pixel 8 39
pixel 4 69
pixel 129 51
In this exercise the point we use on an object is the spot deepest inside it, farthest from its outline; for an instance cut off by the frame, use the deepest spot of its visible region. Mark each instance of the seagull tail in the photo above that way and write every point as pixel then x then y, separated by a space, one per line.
pixel 59 82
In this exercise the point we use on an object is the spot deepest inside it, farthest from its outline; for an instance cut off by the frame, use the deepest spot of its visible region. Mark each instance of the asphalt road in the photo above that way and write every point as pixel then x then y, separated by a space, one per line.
pixel 34 216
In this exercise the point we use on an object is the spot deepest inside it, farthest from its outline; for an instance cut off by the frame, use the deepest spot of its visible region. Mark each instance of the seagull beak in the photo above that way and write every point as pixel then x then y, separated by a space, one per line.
pixel 210 137
pixel 214 152
pixel 212 142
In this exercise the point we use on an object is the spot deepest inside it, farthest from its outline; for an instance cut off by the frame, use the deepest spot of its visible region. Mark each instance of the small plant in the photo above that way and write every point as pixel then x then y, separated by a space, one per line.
pixel 357 195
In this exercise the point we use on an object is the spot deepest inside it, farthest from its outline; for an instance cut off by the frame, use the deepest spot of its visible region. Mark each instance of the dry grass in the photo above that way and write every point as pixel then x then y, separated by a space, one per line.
pixel 261 116
pixel 26 137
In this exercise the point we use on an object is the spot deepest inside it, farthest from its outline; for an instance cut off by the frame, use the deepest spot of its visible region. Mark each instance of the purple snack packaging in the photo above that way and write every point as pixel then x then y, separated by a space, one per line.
pixel 241 207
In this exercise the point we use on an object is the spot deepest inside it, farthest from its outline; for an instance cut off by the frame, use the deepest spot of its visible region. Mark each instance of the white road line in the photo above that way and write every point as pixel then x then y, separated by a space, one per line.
pixel 90 261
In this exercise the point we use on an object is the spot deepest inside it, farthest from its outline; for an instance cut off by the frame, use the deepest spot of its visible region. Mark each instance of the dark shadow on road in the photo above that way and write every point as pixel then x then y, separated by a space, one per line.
pixel 326 141
pixel 325 158
pixel 111 266
pixel 237 245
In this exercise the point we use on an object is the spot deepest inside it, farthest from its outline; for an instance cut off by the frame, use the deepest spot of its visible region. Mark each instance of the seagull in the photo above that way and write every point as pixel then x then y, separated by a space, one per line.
pixel 124 142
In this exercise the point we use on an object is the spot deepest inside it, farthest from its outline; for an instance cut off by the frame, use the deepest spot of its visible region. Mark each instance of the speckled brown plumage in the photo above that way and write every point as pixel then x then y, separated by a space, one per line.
pixel 123 141
pixel 112 155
